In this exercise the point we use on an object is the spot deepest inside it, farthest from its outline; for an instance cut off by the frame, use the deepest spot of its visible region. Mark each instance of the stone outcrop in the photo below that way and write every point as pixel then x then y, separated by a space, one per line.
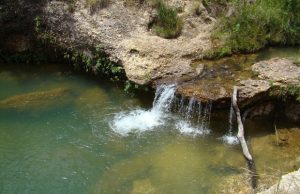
pixel 278 70
pixel 123 33
pixel 252 90
pixel 205 91
pixel 289 184
pixel 217 86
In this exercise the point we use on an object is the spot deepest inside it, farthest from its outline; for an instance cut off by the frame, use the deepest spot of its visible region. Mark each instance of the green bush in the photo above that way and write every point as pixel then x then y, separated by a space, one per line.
pixel 96 62
pixel 168 24
pixel 255 25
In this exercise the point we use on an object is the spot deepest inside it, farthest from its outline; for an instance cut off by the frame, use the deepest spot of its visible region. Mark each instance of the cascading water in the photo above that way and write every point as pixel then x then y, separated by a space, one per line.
pixel 230 138
pixel 140 120
pixel 188 125
pixel 143 120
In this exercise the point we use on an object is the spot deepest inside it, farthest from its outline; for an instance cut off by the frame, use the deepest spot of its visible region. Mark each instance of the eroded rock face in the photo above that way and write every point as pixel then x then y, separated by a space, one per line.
pixel 123 33
pixel 204 91
pixel 292 111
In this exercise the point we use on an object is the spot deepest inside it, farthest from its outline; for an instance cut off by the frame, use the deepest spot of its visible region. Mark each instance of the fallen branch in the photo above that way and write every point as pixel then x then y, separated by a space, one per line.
pixel 240 134
pixel 241 138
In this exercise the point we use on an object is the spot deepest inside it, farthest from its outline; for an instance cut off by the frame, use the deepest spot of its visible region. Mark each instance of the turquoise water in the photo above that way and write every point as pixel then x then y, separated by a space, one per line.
pixel 60 141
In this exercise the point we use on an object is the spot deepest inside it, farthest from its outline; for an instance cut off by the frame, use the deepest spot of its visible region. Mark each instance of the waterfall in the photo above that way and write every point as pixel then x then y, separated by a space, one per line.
pixel 196 118
pixel 229 138
pixel 164 96
pixel 140 120
pixel 190 119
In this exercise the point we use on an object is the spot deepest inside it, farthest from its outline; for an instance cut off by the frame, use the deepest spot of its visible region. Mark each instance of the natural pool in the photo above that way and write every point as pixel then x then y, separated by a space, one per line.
pixel 58 135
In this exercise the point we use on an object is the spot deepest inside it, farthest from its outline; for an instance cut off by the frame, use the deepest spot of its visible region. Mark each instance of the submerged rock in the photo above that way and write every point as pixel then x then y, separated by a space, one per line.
pixel 121 173
pixel 92 100
pixel 238 184
pixel 40 99
pixel 275 154
pixel 143 187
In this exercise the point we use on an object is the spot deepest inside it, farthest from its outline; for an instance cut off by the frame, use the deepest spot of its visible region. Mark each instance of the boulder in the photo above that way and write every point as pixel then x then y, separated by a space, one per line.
pixel 279 70
pixel 288 184
pixel 205 91
pixel 251 90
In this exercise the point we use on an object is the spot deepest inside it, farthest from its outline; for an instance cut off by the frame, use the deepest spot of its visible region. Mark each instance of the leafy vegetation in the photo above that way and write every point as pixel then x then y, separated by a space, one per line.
pixel 132 88
pixel 96 61
pixel 168 24
pixel 252 26
pixel 292 90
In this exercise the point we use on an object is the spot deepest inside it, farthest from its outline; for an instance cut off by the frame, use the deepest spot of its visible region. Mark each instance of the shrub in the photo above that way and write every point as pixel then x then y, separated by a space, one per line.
pixel 95 61
pixel 168 24
pixel 255 25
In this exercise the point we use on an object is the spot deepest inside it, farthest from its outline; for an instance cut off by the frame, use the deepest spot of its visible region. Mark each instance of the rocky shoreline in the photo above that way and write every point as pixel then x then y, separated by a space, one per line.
pixel 122 32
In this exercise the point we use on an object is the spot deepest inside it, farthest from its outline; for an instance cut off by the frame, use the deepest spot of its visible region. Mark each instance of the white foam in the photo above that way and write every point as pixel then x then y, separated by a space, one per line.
pixel 140 120
pixel 187 128
pixel 136 121
pixel 230 139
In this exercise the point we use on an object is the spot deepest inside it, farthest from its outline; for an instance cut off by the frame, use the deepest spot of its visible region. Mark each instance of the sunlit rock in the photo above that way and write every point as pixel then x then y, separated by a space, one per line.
pixel 288 184
pixel 250 89
pixel 279 70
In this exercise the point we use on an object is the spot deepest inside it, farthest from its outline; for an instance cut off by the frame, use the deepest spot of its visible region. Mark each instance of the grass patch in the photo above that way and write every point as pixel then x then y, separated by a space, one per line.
pixel 168 24
pixel 255 25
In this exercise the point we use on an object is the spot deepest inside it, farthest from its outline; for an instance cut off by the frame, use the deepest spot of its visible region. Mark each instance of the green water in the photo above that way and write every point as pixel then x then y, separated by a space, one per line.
pixel 64 144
